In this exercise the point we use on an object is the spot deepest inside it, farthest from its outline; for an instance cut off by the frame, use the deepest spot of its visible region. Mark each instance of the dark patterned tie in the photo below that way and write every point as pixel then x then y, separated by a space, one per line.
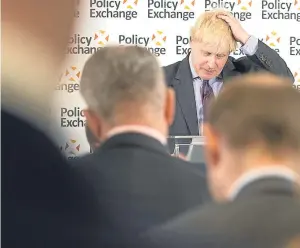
pixel 207 94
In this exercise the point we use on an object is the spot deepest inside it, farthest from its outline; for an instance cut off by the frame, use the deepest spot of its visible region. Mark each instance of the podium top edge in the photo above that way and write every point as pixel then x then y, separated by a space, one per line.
pixel 185 137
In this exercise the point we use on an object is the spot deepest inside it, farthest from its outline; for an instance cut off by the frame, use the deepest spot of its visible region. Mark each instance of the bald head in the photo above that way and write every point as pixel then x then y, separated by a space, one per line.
pixel 34 37
pixel 258 109
pixel 49 21
pixel 260 80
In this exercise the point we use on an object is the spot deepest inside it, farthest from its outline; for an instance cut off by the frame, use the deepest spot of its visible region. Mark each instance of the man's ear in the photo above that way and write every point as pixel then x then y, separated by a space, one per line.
pixel 212 146
pixel 93 122
pixel 170 106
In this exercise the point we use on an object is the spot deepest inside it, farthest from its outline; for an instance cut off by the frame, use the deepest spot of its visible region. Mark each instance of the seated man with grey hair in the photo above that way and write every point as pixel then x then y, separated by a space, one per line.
pixel 137 182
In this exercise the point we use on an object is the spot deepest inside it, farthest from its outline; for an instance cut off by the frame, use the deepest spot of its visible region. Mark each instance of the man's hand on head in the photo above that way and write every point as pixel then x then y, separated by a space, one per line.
pixel 239 33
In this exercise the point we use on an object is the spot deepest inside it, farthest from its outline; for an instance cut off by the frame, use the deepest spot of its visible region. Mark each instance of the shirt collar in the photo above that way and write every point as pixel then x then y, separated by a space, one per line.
pixel 194 74
pixel 138 129
pixel 256 174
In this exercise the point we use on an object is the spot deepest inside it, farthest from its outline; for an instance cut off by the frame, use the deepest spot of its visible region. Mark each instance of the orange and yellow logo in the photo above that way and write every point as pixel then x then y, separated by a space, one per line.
pixel 71 147
pixel 297 76
pixel 72 74
pixel 187 4
pixel 297 5
pixel 130 3
pixel 101 37
pixel 244 4
pixel 158 38
pixel 273 39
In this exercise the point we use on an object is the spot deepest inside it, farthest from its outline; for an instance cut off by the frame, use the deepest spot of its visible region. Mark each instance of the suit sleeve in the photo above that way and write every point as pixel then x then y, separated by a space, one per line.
pixel 264 58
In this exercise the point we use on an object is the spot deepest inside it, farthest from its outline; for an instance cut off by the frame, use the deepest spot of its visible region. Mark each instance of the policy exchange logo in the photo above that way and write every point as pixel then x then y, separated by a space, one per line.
pixel 297 76
pixel 297 5
pixel 71 148
pixel 72 74
pixel 171 9
pixel 69 80
pixel 130 3
pixel 273 39
pixel 239 9
pixel 101 38
pixel 244 4
pixel 296 84
pixel 158 38
pixel 155 42
pixel 187 4
pixel 229 5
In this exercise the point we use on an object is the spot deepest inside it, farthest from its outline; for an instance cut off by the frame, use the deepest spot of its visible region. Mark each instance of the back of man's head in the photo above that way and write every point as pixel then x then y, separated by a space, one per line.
pixel 293 243
pixel 49 22
pixel 254 122
pixel 125 85
pixel 258 110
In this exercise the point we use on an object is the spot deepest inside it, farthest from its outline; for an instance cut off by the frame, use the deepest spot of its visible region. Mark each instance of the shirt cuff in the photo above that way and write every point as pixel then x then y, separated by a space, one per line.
pixel 250 47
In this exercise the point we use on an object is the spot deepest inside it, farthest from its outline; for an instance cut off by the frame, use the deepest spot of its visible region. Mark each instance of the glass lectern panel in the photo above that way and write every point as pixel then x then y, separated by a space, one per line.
pixel 192 147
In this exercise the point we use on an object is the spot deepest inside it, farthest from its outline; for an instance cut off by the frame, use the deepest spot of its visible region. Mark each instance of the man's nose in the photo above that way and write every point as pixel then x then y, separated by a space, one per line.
pixel 211 62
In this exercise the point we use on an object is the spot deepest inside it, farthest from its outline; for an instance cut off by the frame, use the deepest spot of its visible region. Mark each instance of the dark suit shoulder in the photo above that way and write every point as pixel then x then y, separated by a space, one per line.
pixel 39 195
pixel 85 162
pixel 33 166
pixel 258 222
pixel 99 157
pixel 219 215
pixel 170 71
pixel 144 163
pixel 195 168
pixel 28 152
pixel 245 65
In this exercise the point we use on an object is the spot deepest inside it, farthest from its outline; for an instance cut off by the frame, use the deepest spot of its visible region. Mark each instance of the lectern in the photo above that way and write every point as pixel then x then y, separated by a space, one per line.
pixel 190 146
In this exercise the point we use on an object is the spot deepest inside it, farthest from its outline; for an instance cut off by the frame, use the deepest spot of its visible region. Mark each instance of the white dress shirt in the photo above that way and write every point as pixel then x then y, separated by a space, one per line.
pixel 249 49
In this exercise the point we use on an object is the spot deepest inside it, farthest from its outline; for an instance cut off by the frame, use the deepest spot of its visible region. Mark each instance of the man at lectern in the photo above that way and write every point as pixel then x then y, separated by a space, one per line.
pixel 200 75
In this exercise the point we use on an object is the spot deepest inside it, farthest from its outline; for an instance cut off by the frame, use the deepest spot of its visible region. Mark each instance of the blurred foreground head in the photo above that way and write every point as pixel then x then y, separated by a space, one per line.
pixel 254 123
pixel 124 85
pixel 34 37
pixel 293 243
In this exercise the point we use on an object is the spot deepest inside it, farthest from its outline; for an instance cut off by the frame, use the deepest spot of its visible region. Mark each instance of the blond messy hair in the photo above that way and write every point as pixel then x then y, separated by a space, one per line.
pixel 213 30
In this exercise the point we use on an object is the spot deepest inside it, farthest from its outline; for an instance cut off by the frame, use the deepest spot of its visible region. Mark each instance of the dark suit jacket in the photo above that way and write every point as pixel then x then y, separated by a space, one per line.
pixel 265 213
pixel 179 77
pixel 42 203
pixel 139 185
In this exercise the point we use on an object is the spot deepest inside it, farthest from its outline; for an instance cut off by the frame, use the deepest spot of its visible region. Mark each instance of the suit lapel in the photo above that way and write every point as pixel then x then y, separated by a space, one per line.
pixel 183 86
pixel 229 71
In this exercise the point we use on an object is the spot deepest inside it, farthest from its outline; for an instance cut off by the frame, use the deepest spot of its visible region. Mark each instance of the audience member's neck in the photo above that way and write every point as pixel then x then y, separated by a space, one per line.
pixel 150 129
pixel 257 158
pixel 262 164
pixel 27 76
